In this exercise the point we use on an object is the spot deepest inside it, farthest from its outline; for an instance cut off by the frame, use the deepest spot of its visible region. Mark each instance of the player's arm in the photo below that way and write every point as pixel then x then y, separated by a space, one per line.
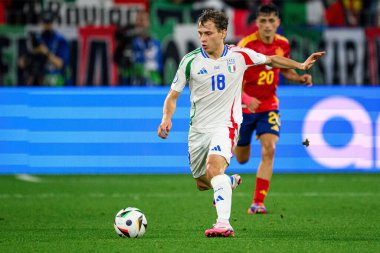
pixel 170 105
pixel 251 103
pixel 293 76
pixel 277 61
pixel 52 58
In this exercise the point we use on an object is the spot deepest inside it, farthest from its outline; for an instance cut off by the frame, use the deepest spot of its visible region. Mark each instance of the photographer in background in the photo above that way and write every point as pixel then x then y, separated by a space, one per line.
pixel 47 56
pixel 138 55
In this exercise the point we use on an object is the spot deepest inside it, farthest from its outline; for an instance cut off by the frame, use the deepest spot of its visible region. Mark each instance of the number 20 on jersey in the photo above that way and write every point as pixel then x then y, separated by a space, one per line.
pixel 266 78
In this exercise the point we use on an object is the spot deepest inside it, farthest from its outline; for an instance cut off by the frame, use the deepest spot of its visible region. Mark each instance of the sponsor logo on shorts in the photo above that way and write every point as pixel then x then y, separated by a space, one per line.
pixel 216 148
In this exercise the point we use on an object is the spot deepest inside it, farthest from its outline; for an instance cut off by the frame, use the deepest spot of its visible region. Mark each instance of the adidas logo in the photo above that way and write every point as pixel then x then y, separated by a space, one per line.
pixel 202 71
pixel 216 148
pixel 219 198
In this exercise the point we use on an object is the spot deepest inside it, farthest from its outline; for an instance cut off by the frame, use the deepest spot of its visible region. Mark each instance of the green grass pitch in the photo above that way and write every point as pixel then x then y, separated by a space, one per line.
pixel 74 213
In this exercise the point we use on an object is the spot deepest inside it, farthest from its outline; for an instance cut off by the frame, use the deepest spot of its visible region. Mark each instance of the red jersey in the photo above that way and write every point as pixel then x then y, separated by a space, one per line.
pixel 261 81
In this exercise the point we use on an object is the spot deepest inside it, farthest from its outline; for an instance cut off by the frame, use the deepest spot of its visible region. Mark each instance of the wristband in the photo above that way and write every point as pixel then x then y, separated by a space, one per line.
pixel 245 99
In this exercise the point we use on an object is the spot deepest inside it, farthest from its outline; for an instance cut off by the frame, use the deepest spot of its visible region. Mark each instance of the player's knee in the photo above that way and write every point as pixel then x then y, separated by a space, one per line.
pixel 268 150
pixel 211 171
pixel 242 159
pixel 242 154
pixel 215 165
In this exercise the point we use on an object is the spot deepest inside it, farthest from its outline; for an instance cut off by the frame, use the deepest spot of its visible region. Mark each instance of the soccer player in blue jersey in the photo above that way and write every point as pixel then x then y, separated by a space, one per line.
pixel 214 73
pixel 47 60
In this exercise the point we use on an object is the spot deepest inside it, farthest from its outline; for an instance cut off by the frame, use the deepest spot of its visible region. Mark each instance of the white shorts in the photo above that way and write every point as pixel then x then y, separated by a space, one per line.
pixel 221 142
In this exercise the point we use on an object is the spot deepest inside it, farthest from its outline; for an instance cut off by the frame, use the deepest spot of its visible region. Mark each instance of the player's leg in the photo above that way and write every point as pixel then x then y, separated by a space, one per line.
pixel 235 181
pixel 242 153
pixel 220 182
pixel 268 148
pixel 243 148
pixel 203 183
pixel 198 151
pixel 221 145
pixel 197 154
pixel 268 131
pixel 264 173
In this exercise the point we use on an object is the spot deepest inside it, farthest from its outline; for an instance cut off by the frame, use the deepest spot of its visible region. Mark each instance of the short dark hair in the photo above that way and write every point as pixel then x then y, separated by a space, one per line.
pixel 267 9
pixel 217 17
pixel 47 17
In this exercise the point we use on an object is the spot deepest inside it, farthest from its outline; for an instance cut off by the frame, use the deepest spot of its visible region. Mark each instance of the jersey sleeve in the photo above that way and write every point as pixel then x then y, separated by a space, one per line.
pixel 252 58
pixel 183 74
pixel 63 51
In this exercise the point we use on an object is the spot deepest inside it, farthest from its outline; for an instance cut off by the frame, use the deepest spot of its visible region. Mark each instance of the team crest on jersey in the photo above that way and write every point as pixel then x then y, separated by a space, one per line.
pixel 280 51
pixel 231 65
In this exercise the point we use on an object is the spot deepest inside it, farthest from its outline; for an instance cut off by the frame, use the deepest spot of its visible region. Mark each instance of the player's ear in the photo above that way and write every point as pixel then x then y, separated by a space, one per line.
pixel 278 22
pixel 224 34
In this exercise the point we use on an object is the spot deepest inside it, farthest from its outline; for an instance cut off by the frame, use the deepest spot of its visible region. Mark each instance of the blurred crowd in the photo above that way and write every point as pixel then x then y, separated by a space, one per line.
pixel 138 54
pixel 322 12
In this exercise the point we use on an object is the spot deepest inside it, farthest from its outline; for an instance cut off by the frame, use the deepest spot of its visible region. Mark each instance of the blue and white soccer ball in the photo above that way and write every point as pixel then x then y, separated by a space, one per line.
pixel 130 222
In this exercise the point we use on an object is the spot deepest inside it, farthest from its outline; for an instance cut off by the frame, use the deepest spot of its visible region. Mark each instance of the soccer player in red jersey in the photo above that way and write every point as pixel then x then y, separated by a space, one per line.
pixel 260 102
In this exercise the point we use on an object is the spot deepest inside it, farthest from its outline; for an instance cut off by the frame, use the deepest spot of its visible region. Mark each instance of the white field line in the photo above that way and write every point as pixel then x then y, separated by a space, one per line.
pixel 28 178
pixel 178 195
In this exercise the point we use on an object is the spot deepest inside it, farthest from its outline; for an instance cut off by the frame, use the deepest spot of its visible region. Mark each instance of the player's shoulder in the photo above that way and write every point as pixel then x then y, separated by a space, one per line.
pixel 281 38
pixel 190 56
pixel 59 36
pixel 232 47
pixel 238 49
pixel 193 53
pixel 60 40
pixel 248 39
pixel 155 41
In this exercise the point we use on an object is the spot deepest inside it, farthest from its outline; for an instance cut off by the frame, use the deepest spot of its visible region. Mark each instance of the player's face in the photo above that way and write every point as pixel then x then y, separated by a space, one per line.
pixel 47 26
pixel 211 39
pixel 142 20
pixel 268 24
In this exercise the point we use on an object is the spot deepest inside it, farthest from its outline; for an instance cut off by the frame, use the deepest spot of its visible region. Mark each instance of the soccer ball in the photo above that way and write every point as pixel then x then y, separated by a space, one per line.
pixel 130 222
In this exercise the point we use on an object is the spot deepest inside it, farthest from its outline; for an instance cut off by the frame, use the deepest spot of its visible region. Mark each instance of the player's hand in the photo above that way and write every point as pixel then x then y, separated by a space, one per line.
pixel 306 79
pixel 21 62
pixel 164 128
pixel 41 49
pixel 255 103
pixel 311 60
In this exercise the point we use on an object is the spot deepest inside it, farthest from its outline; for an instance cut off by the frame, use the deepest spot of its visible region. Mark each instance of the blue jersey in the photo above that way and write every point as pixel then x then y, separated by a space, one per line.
pixel 57 45
pixel 148 54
